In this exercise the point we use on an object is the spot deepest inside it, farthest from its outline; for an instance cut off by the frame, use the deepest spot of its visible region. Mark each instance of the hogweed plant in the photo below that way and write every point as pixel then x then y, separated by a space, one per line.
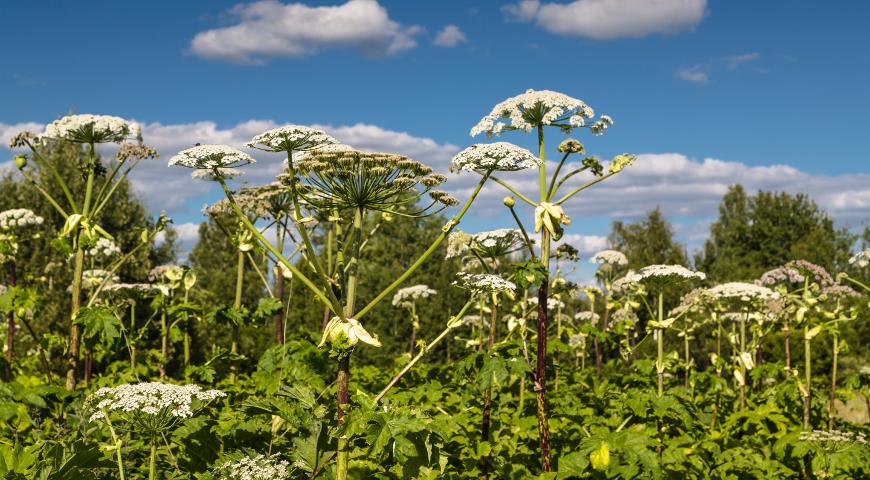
pixel 16 226
pixel 336 182
pixel 150 409
pixel 406 298
pixel 530 112
pixel 800 282
pixel 655 279
pixel 746 301
pixel 81 229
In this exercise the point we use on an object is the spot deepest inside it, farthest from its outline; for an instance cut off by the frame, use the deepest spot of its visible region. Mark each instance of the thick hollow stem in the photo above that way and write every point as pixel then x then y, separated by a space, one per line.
pixel 278 317
pixel 152 464
pixel 742 363
pixel 487 394
pixel 12 280
pixel 164 342
pixel 543 294
pixel 787 346
pixel 807 378
pixel 835 353
pixel 117 445
pixel 72 358
pixel 660 354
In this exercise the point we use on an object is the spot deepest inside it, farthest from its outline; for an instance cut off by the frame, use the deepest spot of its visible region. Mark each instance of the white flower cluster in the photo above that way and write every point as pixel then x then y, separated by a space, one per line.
pixel 103 249
pixel 18 217
pixel 533 108
pixel 552 303
pixel 149 398
pixel 743 291
pixel 609 257
pixel 87 128
pixel 260 467
pixel 666 273
pixel 457 243
pixel 502 156
pixel 93 278
pixel 131 288
pixel 586 316
pixel 492 238
pixel 861 259
pixel 211 157
pixel 833 436
pixel 290 137
pixel 167 272
pixel 405 296
pixel 484 283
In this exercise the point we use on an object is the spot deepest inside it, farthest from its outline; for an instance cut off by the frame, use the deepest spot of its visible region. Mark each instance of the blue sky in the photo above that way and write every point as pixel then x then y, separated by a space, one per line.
pixel 772 94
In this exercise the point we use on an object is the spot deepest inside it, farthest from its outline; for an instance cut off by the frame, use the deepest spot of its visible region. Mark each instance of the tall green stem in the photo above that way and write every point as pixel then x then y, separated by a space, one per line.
pixel 487 394
pixel 237 304
pixel 807 378
pixel 660 354
pixel 152 464
pixel 835 354
pixel 117 446
pixel 543 294
pixel 742 362
pixel 73 343
pixel 344 361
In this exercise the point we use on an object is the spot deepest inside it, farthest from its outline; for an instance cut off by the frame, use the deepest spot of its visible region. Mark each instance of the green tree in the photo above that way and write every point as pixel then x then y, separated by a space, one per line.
pixel 757 233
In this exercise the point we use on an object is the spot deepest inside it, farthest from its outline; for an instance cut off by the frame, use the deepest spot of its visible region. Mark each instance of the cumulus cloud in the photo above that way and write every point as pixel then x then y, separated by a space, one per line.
pixel 449 37
pixel 700 72
pixel 609 19
pixel 586 244
pixel 269 28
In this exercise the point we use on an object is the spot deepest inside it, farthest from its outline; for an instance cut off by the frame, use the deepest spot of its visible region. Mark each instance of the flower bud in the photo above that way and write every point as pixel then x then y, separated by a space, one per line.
pixel 20 161
pixel 509 201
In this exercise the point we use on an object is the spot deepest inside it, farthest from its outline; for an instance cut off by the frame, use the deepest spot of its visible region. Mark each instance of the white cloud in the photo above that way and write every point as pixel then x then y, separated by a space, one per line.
pixel 450 36
pixel 700 72
pixel 586 244
pixel 269 28
pixel 609 19
pixel 693 74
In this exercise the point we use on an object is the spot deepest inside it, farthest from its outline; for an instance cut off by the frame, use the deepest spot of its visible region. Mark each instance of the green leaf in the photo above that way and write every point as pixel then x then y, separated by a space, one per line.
pixel 100 324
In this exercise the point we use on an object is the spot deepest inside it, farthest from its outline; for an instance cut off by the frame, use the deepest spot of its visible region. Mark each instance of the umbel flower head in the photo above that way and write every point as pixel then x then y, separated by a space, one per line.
pixel 609 258
pixel 488 244
pixel 336 179
pixel 211 157
pixel 741 291
pixel 539 108
pixel 258 467
pixel 482 283
pixel 87 128
pixel 496 156
pixel 144 402
pixel 290 138
pixel 795 272
pixel 665 274
pixel 216 174
pixel 94 278
pixel 18 217
pixel 861 259
pixel 405 297
pixel 103 249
